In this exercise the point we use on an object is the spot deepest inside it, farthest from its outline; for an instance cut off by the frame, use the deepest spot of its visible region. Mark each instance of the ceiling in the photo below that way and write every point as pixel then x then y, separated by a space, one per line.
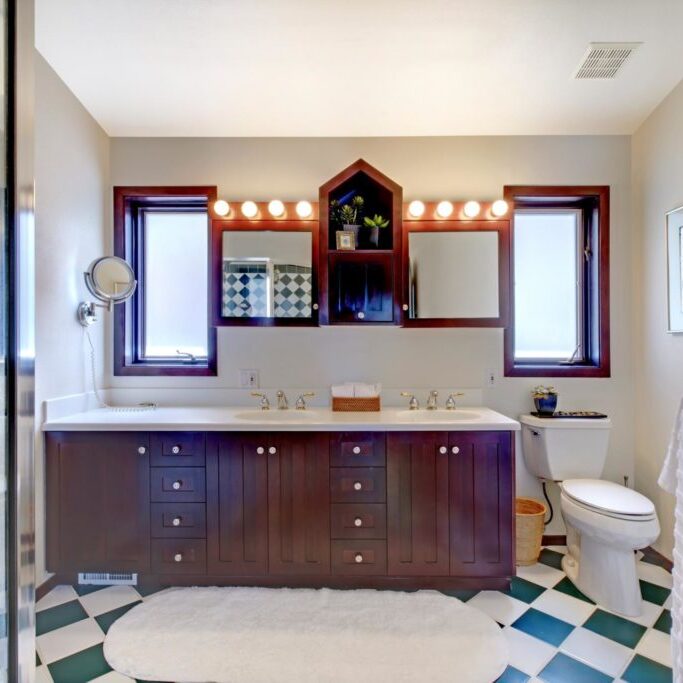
pixel 359 67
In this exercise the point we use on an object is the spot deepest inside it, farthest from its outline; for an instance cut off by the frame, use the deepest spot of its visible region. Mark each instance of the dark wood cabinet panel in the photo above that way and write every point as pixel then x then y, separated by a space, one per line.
pixel 178 484
pixel 358 520
pixel 417 503
pixel 358 485
pixel 481 483
pixel 237 509
pixel 358 449
pixel 98 502
pixel 299 504
pixel 177 449
pixel 178 556
pixel 178 520
pixel 359 558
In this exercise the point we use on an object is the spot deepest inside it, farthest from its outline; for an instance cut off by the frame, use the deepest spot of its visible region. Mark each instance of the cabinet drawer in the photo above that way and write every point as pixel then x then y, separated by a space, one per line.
pixel 178 449
pixel 178 556
pixel 358 485
pixel 359 520
pixel 359 557
pixel 178 520
pixel 356 449
pixel 178 484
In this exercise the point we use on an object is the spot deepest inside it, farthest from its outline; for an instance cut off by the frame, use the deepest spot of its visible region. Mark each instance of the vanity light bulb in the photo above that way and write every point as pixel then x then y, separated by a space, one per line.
pixel 276 208
pixel 304 209
pixel 249 209
pixel 499 208
pixel 444 209
pixel 416 208
pixel 471 209
pixel 221 207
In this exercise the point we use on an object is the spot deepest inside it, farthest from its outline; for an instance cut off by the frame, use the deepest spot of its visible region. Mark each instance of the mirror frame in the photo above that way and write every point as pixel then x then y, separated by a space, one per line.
pixel 218 227
pixel 98 292
pixel 502 227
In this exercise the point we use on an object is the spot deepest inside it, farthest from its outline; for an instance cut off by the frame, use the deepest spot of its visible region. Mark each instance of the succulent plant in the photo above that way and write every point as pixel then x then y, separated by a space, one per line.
pixel 348 213
pixel 376 221
pixel 541 392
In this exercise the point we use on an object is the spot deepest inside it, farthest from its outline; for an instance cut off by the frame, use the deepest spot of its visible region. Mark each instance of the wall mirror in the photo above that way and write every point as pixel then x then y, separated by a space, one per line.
pixel 674 245
pixel 456 274
pixel 265 276
pixel 110 280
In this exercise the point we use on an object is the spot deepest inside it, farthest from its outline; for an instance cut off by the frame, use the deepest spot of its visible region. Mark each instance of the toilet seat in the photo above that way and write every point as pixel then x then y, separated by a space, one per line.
pixel 609 499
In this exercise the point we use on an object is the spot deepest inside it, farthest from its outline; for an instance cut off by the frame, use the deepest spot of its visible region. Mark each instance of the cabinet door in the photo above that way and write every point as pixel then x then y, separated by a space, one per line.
pixel 98 502
pixel 237 512
pixel 417 504
pixel 299 504
pixel 481 480
pixel 361 288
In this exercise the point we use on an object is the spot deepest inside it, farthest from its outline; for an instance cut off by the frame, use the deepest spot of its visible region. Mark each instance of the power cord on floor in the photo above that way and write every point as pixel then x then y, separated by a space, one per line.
pixel 550 505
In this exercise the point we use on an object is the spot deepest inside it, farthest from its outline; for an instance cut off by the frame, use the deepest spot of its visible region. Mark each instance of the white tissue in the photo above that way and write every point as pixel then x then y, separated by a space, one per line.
pixel 342 390
pixel 356 390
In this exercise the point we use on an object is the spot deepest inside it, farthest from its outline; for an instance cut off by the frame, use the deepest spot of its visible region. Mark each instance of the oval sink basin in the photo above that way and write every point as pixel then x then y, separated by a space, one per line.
pixel 276 415
pixel 439 415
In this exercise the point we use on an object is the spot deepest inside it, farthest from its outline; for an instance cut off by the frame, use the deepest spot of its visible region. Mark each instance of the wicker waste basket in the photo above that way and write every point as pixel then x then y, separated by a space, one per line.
pixel 530 515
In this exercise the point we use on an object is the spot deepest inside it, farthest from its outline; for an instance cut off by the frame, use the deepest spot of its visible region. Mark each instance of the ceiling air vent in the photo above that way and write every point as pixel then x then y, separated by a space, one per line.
pixel 604 60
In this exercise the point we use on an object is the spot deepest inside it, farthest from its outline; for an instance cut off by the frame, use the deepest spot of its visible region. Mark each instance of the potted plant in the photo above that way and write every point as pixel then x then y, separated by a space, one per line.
pixel 347 215
pixel 375 223
pixel 545 399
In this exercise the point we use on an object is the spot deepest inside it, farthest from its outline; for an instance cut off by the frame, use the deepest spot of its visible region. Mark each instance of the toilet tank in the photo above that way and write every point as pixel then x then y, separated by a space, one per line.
pixel 559 448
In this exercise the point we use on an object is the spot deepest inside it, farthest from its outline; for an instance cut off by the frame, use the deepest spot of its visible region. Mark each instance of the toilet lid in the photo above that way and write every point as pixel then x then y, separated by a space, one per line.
pixel 608 496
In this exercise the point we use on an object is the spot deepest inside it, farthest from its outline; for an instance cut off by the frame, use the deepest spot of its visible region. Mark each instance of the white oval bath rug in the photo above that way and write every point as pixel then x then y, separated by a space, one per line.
pixel 264 635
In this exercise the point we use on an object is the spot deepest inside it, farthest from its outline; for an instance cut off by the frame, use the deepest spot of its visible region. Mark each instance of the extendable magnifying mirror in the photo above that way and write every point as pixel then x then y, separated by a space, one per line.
pixel 110 280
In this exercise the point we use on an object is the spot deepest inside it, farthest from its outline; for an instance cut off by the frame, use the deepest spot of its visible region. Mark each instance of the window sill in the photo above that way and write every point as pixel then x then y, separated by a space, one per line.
pixel 169 370
pixel 555 370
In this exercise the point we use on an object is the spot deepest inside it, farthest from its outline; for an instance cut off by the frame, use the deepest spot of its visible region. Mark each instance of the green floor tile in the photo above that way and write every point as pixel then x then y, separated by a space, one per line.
pixel 57 617
pixel 524 590
pixel 551 557
pixel 663 624
pixel 567 587
pixel 37 660
pixel 512 675
pixel 148 590
pixel 654 593
pixel 108 618
pixel 544 627
pixel 615 628
pixel 87 589
pixel 563 669
pixel 462 595
pixel 81 667
pixel 644 670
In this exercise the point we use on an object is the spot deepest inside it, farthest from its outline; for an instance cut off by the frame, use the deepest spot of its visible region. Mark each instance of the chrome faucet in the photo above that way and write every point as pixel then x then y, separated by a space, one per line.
pixel 301 401
pixel 431 401
pixel 413 404
pixel 450 403
pixel 264 403
pixel 282 403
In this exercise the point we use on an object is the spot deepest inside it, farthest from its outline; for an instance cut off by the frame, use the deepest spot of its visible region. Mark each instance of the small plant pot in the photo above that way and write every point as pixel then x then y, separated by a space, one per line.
pixel 546 405
pixel 355 229
pixel 373 236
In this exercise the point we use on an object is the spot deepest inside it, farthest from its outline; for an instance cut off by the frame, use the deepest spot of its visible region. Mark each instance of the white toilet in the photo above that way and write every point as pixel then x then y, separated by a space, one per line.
pixel 605 522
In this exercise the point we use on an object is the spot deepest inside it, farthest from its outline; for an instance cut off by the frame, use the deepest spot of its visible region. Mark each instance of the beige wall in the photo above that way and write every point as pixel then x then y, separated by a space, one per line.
pixel 72 198
pixel 658 187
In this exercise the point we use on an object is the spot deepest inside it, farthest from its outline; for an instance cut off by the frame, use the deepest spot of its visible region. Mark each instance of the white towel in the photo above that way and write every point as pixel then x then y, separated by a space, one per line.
pixel 671 480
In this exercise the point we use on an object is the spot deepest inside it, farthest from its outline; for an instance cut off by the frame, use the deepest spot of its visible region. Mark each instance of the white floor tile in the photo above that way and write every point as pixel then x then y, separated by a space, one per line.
pixel 68 640
pixel 528 654
pixel 649 615
pixel 654 574
pixel 503 608
pixel 108 599
pixel 669 600
pixel 113 677
pixel 43 675
pixel 601 653
pixel 57 596
pixel 656 645
pixel 565 607
pixel 541 574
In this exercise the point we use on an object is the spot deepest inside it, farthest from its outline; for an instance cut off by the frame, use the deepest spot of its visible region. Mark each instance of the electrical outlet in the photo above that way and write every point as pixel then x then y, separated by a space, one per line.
pixel 249 379
pixel 490 378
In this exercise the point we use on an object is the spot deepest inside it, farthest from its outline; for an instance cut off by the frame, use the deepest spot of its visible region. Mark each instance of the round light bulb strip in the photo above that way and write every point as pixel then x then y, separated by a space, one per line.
pixel 252 210
pixel 446 209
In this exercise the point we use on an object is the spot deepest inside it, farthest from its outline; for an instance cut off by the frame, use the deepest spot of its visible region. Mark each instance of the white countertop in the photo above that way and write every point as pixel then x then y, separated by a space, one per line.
pixel 253 420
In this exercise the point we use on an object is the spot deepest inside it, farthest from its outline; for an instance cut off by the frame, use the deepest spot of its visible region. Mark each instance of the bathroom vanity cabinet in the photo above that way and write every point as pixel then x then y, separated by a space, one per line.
pixel 340 509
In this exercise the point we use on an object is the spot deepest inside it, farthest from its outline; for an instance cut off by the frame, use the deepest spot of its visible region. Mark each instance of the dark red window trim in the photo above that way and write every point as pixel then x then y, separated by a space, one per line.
pixel 127 317
pixel 597 304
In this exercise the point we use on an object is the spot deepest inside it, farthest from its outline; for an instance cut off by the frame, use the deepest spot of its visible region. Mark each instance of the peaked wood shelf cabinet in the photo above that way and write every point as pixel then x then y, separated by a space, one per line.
pixel 338 509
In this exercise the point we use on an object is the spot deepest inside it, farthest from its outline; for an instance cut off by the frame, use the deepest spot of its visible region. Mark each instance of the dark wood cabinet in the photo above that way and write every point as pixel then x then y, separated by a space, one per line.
pixel 98 505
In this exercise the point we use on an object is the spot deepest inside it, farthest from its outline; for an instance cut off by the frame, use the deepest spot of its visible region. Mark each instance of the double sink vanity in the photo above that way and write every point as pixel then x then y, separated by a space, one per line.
pixel 239 496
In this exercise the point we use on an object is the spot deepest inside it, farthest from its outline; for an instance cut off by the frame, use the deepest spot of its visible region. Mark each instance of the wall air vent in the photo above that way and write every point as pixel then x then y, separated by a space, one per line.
pixel 107 579
pixel 604 60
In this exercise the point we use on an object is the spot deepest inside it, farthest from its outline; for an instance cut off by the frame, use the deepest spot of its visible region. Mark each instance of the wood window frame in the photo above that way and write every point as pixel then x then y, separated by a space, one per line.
pixel 596 290
pixel 128 317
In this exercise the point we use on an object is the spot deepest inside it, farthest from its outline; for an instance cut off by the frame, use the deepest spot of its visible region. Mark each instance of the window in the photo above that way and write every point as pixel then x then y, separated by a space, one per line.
pixel 164 234
pixel 560 282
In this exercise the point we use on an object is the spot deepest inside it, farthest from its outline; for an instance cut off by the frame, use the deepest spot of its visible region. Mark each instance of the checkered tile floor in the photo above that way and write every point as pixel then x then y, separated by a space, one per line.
pixel 556 634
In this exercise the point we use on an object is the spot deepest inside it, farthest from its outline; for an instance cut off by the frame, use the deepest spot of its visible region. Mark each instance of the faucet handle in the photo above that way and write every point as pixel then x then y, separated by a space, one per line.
pixel 413 404
pixel 301 401
pixel 282 402
pixel 264 403
pixel 450 403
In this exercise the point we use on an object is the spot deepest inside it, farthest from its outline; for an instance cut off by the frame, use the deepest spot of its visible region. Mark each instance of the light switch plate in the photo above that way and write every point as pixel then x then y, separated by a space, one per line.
pixel 249 379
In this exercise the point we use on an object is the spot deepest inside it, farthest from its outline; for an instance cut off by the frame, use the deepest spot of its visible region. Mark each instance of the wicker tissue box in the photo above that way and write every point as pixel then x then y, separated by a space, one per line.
pixel 356 405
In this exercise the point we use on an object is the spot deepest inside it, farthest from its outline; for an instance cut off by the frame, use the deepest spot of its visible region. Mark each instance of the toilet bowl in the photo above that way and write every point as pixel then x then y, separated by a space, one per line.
pixel 606 524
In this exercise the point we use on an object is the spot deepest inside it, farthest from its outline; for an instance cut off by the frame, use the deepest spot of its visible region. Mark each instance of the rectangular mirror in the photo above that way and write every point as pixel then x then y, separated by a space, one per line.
pixel 456 277
pixel 674 244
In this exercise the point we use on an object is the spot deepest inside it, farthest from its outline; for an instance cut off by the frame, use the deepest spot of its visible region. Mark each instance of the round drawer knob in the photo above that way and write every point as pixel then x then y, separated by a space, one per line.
pixel 175 450
pixel 361 315
pixel 357 486
pixel 358 522
pixel 260 450
pixel 358 558
pixel 443 449
pixel 177 485
pixel 405 307
pixel 272 450
pixel 356 449
pixel 142 450
pixel 455 450
pixel 178 557
pixel 176 521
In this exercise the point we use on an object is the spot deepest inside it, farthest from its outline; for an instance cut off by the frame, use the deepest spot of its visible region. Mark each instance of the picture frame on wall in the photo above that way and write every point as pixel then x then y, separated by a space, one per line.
pixel 674 252
pixel 346 240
